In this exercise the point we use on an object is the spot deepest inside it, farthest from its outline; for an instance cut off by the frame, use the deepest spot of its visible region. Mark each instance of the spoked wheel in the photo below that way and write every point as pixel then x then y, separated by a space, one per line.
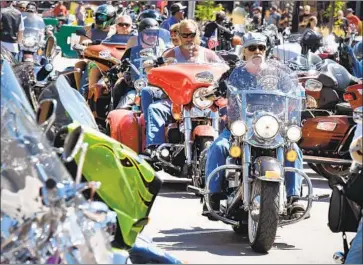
pixel 200 159
pixel 333 171
pixel 263 215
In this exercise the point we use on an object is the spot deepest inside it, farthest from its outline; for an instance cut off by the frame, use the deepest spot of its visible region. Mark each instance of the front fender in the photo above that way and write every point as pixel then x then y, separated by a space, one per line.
pixel 268 169
pixel 204 131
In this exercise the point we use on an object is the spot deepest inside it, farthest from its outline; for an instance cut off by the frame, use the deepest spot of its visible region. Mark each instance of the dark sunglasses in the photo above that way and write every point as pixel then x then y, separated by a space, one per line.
pixel 252 48
pixel 187 35
pixel 123 24
pixel 150 33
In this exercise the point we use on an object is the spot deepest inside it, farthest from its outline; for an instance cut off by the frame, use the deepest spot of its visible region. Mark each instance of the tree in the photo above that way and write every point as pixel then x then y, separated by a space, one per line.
pixel 206 10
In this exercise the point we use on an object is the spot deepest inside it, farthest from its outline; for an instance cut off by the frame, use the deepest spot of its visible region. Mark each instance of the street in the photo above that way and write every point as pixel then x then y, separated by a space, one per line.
pixel 178 227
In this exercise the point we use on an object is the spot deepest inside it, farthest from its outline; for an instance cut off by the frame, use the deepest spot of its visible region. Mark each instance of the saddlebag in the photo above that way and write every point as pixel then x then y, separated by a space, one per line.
pixel 344 214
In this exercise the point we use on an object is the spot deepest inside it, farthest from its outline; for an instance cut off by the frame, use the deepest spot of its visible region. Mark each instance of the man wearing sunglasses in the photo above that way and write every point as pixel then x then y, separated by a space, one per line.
pixel 177 15
pixel 124 25
pixel 254 52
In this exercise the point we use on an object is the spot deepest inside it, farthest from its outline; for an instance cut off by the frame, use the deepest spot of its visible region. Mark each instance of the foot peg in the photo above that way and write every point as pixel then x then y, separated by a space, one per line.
pixel 195 190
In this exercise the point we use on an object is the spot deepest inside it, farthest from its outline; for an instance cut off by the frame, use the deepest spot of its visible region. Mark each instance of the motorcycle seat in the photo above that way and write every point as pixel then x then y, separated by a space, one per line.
pixel 336 76
pixel 344 108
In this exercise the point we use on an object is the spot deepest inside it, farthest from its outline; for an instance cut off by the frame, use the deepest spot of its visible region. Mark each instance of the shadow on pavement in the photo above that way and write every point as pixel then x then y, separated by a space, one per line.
pixel 216 241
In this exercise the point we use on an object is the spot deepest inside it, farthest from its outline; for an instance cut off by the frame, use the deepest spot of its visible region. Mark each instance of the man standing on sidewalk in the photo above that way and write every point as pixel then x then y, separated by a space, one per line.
pixel 11 28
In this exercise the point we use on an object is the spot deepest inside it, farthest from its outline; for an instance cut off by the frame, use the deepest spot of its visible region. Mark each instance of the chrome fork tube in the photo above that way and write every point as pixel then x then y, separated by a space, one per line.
pixel 187 136
pixel 246 161
pixel 215 121
pixel 281 159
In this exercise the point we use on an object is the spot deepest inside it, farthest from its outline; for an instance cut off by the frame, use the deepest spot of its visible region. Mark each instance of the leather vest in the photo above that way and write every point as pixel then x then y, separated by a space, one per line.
pixel 10 22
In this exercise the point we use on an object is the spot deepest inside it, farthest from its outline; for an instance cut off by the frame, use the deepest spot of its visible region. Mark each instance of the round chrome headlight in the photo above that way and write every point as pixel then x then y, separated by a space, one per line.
pixel 49 67
pixel 29 42
pixel 293 133
pixel 200 101
pixel 238 128
pixel 140 84
pixel 266 127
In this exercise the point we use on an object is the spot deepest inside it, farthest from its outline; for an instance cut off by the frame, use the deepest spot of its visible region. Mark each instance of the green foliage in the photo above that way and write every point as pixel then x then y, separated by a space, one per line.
pixel 206 10
pixel 339 5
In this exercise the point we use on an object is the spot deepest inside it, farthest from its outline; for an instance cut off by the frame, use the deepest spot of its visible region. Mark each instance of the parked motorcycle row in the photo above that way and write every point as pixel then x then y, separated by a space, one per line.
pixel 78 186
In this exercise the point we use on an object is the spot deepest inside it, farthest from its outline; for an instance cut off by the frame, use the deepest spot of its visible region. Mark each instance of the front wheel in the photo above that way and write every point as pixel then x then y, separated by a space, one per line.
pixel 263 216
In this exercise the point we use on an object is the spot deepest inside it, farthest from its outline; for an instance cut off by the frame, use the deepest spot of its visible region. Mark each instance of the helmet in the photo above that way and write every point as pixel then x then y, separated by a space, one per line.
pixel 148 23
pixel 150 14
pixel 105 16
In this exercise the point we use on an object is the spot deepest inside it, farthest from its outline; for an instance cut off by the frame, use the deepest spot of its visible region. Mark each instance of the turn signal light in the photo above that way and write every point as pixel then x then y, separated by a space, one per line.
pixel 291 155
pixel 349 96
pixel 235 151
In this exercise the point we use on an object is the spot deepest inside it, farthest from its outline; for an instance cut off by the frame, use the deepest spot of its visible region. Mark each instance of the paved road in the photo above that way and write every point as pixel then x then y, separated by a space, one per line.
pixel 177 226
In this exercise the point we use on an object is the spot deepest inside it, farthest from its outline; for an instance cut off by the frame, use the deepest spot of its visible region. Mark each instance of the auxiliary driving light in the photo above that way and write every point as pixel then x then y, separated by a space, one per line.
pixel 235 151
pixel 291 155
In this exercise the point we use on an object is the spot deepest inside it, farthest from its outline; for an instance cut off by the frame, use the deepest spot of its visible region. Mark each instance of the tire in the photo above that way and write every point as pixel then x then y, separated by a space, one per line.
pixel 262 238
pixel 201 144
pixel 332 171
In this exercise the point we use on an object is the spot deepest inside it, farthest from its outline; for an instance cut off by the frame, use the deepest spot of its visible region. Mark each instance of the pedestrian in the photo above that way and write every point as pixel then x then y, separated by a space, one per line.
pixel 177 15
pixel 353 20
pixel 60 10
pixel 342 22
pixel 304 18
pixel 285 18
pixel 257 17
pixel 275 17
pixel 11 28
pixel 80 13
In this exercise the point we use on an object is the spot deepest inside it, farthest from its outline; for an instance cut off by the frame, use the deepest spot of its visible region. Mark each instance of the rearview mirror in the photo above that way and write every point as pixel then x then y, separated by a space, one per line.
pixel 46 113
pixel 313 85
pixel 73 144
pixel 50 47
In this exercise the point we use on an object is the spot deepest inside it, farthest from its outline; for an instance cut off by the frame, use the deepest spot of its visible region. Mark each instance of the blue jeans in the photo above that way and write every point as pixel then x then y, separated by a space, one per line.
pixel 355 252
pixel 158 114
pixel 219 151
pixel 148 96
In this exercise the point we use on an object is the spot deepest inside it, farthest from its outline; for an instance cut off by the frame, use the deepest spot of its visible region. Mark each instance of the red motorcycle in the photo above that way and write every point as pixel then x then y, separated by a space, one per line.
pixel 195 124
pixel 325 140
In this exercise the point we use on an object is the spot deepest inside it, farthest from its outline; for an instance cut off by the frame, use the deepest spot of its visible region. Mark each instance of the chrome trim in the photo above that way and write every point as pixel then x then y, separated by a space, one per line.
pixel 188 134
pixel 246 162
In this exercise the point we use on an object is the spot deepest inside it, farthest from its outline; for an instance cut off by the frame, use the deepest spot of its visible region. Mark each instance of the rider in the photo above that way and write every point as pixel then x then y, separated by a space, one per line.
pixel 158 113
pixel 149 37
pixel 254 47
pixel 103 27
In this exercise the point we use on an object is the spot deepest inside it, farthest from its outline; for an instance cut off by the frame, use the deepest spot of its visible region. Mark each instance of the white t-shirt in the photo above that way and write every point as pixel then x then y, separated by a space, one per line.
pixel 14 47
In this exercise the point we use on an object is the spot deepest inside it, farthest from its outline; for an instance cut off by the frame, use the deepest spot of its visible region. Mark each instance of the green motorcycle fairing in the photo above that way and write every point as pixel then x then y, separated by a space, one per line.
pixel 128 183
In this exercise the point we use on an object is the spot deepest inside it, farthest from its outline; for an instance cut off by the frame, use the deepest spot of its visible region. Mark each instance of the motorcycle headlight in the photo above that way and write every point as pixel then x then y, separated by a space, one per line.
pixel 199 101
pixel 140 84
pixel 238 128
pixel 266 127
pixel 29 42
pixel 293 133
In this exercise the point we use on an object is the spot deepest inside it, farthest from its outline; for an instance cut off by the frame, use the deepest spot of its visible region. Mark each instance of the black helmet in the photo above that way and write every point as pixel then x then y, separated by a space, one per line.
pixel 105 16
pixel 150 14
pixel 147 23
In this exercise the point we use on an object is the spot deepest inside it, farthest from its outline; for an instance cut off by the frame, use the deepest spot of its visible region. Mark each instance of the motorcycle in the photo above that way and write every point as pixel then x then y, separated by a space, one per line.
pixel 264 121
pixel 325 139
pixel 195 123
pixel 92 163
pixel 42 208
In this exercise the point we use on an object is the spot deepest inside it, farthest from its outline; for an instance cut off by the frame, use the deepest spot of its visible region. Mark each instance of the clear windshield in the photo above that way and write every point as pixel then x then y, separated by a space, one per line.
pixel 33 21
pixel 24 149
pixel 271 90
pixel 71 106
pixel 155 40
pixel 117 39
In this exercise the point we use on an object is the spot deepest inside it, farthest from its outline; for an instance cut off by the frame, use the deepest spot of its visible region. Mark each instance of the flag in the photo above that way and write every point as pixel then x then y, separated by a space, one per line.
pixel 213 40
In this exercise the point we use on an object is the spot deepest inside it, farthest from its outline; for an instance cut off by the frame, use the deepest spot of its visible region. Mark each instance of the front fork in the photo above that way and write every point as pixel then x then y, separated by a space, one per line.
pixel 188 132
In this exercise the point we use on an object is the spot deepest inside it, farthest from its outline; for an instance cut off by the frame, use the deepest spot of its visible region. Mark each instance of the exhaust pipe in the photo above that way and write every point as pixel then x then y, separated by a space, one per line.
pixel 326 160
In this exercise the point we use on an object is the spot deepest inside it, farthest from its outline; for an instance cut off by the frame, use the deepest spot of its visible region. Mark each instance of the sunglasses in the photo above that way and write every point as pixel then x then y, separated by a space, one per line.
pixel 121 24
pixel 187 35
pixel 151 33
pixel 252 48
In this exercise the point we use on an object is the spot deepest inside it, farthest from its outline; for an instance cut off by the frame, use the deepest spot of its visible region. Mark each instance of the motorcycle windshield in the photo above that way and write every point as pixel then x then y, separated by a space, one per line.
pixel 117 39
pixel 71 107
pixel 155 40
pixel 33 21
pixel 273 90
